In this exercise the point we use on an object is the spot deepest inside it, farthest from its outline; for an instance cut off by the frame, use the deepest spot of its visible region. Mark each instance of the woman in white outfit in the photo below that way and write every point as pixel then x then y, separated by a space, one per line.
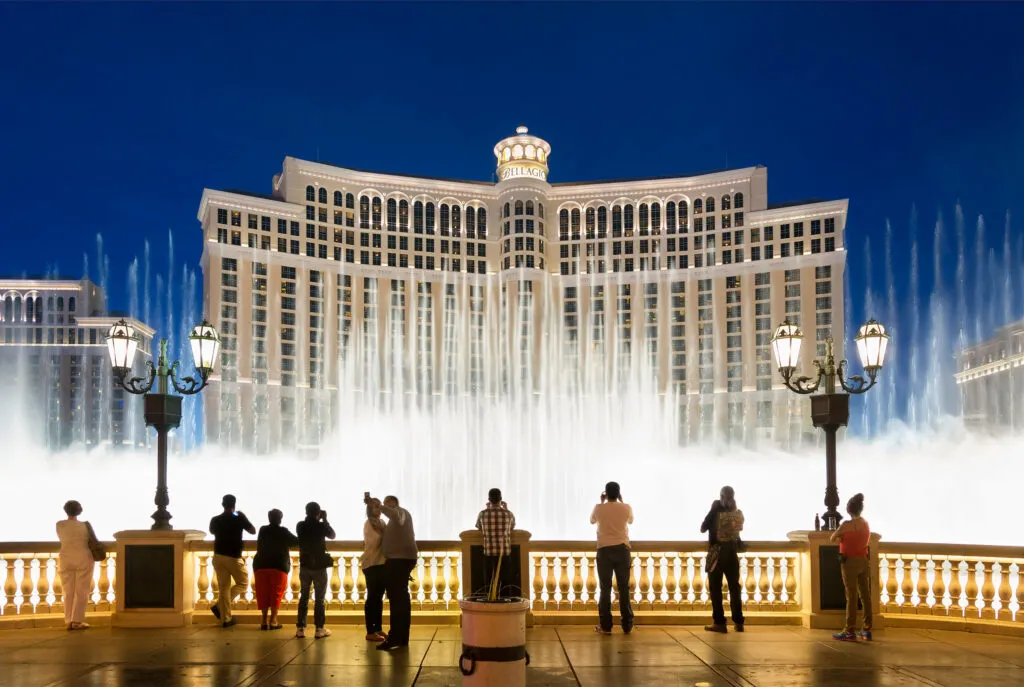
pixel 75 565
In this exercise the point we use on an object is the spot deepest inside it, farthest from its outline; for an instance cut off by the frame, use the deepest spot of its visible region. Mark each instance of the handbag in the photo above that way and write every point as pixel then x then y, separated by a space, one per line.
pixel 711 562
pixel 96 548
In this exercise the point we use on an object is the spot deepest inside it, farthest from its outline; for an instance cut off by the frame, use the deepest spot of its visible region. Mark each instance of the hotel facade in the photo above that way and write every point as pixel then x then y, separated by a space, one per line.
pixel 991 380
pixel 55 369
pixel 429 288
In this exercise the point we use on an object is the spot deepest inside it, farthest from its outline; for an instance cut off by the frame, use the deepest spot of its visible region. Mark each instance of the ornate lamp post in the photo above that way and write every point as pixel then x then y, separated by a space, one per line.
pixel 162 410
pixel 830 409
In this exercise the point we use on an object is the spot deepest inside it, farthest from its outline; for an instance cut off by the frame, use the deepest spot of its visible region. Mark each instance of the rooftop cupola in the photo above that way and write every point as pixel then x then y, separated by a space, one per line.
pixel 522 155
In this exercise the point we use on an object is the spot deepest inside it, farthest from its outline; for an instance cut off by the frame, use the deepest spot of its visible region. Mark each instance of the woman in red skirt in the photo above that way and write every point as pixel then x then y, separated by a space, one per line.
pixel 272 564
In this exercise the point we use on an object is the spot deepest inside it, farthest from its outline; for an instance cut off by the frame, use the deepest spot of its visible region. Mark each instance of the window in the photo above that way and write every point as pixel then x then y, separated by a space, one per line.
pixel 830 225
pixel 726 202
pixel 830 244
pixel 709 204
pixel 222 216
pixel 364 212
pixel 310 194
pixel 323 195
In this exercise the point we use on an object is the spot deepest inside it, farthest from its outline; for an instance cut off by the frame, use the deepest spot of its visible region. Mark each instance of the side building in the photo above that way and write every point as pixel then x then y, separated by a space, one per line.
pixel 431 288
pixel 991 380
pixel 55 370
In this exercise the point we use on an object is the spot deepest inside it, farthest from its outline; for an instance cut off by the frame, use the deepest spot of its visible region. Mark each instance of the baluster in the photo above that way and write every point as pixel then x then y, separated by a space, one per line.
pixel 293 584
pixel 891 585
pixel 685 603
pixel 776 584
pixel 750 585
pixel 577 561
pixel 971 612
pixel 550 583
pixel 698 582
pixel 342 584
pixel 8 590
pixel 763 602
pixel 202 582
pixel 440 584
pixel 939 587
pixel 671 584
pixel 104 585
pixel 1004 592
pixel 955 588
pixel 414 584
pixel 644 560
pixel 591 559
pixel 563 583
pixel 791 598
pixel 538 582
pixel 445 598
pixel 922 585
pixel 58 589
pixel 250 589
pixel 1019 617
pixel 657 584
pixel 43 585
pixel 27 587
pixel 360 600
pixel 428 581
pixel 988 592
pixel 455 583
pixel 907 585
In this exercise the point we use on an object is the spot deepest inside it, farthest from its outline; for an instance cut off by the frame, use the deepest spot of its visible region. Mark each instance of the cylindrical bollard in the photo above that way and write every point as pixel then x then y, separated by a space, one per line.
pixel 494 643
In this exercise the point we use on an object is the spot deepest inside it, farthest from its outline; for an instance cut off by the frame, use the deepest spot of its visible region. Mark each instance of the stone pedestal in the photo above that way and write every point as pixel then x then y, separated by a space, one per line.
pixel 155 584
pixel 822 599
pixel 473 540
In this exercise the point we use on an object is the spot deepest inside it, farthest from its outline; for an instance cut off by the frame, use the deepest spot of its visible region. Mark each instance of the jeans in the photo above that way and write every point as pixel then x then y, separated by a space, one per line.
pixel 376 584
pixel 227 569
pixel 729 567
pixel 617 560
pixel 318 579
pixel 856 578
pixel 397 571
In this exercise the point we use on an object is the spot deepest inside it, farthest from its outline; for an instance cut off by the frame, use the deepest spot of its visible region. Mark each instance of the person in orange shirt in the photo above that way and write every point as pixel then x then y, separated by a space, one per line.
pixel 853 537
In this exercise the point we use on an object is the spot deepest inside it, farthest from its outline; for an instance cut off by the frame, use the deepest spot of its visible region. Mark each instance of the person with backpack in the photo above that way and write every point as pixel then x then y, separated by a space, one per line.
pixel 723 523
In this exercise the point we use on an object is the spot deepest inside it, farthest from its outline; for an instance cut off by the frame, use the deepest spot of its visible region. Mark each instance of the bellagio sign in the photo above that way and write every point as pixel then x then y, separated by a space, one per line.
pixel 513 172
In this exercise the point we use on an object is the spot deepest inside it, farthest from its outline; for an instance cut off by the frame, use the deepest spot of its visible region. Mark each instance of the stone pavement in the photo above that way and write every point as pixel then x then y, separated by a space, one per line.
pixel 564 655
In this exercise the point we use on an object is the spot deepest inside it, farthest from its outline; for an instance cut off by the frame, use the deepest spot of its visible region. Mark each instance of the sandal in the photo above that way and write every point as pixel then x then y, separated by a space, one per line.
pixel 263 626
pixel 276 627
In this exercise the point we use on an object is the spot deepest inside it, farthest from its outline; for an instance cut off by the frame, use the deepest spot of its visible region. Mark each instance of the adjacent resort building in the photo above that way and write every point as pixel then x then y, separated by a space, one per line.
pixel 425 289
pixel 991 380
pixel 53 352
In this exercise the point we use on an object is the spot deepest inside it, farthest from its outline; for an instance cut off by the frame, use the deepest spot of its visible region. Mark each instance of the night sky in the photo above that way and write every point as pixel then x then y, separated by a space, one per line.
pixel 116 116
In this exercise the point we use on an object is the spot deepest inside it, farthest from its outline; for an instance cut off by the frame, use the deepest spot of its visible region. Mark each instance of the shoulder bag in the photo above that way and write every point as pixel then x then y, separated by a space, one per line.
pixel 96 548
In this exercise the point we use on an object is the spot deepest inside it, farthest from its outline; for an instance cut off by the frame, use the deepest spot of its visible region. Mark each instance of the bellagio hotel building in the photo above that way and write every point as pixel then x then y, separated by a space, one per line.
pixel 341 280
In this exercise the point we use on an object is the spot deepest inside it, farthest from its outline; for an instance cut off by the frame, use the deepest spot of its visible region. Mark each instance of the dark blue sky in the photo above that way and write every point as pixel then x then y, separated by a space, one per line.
pixel 116 116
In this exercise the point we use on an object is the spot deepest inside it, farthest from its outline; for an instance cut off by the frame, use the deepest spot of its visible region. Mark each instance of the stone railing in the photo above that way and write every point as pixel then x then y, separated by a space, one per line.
pixel 938 585
pixel 983 584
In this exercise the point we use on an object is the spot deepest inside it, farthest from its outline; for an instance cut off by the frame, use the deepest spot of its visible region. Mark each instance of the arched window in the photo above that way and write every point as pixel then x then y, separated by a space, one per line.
pixel 697 206
pixel 576 224
pixel 310 194
pixel 589 227
pixel 529 207
pixel 17 308
pixel 49 303
pixel 323 195
pixel 471 222
pixel 709 204
pixel 644 219
pixel 60 303
pixel 8 309
pixel 39 309
pixel 726 202
pixel 508 209
pixel 628 220
pixel 519 207
pixel 30 309
pixel 375 213
pixel 656 218
pixel 445 219
pixel 684 216
pixel 456 220
pixel 481 223
pixel 403 215
pixel 670 217
pixel 417 217
pixel 540 210
pixel 338 199
pixel 350 201
pixel 430 218
pixel 563 225
pixel 364 212
pixel 617 221
pixel 71 304
pixel 739 201
pixel 392 214
pixel 602 222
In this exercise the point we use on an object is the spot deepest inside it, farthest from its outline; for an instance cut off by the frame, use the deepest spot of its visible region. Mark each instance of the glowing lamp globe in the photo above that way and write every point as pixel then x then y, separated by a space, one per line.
pixel 205 346
pixel 786 344
pixel 872 342
pixel 122 343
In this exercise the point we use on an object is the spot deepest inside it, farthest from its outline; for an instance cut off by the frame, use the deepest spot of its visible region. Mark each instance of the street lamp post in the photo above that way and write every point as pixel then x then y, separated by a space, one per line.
pixel 162 410
pixel 830 409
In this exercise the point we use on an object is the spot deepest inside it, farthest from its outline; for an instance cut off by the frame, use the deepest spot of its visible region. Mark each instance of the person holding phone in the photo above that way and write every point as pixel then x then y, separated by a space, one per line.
pixel 228 565
pixel 399 548
pixel 613 518
pixel 314 562
pixel 374 569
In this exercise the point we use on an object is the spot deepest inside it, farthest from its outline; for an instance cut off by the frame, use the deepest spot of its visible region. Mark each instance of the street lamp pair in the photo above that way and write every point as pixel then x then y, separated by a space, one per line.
pixel 830 409
pixel 162 410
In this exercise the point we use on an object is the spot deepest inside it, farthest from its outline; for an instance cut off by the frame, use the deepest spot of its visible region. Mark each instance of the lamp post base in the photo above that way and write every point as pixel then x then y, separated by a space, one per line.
pixel 830 412
pixel 163 413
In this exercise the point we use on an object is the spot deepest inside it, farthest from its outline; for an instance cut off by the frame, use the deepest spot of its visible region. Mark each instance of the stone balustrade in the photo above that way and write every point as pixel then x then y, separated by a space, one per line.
pixel 922 584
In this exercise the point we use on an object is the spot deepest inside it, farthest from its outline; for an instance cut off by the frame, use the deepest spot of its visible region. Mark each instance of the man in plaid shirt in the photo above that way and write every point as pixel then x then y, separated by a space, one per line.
pixel 496 523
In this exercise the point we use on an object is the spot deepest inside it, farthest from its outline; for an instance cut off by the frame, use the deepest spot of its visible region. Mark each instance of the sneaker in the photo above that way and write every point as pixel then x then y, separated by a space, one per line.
pixel 720 629
pixel 738 627
pixel 865 634
pixel 215 609
pixel 300 633
pixel 627 630
pixel 601 631
pixel 79 626
pixel 386 645
pixel 322 632
pixel 845 636
pixel 229 623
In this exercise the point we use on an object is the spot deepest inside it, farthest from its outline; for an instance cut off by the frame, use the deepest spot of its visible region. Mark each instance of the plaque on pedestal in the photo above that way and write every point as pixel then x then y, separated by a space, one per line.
pixel 155 582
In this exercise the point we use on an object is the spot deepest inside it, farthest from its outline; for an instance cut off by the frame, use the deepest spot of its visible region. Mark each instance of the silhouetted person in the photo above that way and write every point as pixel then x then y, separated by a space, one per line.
pixel 372 562
pixel 854 537
pixel 314 562
pixel 399 548
pixel 723 523
pixel 228 565
pixel 272 564
pixel 613 518
pixel 75 565
pixel 496 523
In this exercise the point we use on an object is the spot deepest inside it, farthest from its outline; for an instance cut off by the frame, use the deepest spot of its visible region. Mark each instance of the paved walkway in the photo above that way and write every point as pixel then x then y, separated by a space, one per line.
pixel 761 657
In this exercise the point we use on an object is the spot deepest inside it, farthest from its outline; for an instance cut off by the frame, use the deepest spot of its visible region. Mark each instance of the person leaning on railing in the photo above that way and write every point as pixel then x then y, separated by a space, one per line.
pixel 228 565
pixel 613 517
pixel 75 565
pixel 272 563
pixel 496 523
pixel 853 536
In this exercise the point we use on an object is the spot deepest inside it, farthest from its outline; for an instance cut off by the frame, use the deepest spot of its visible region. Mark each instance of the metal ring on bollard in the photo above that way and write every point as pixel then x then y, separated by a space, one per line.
pixel 472 663
pixel 527 658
